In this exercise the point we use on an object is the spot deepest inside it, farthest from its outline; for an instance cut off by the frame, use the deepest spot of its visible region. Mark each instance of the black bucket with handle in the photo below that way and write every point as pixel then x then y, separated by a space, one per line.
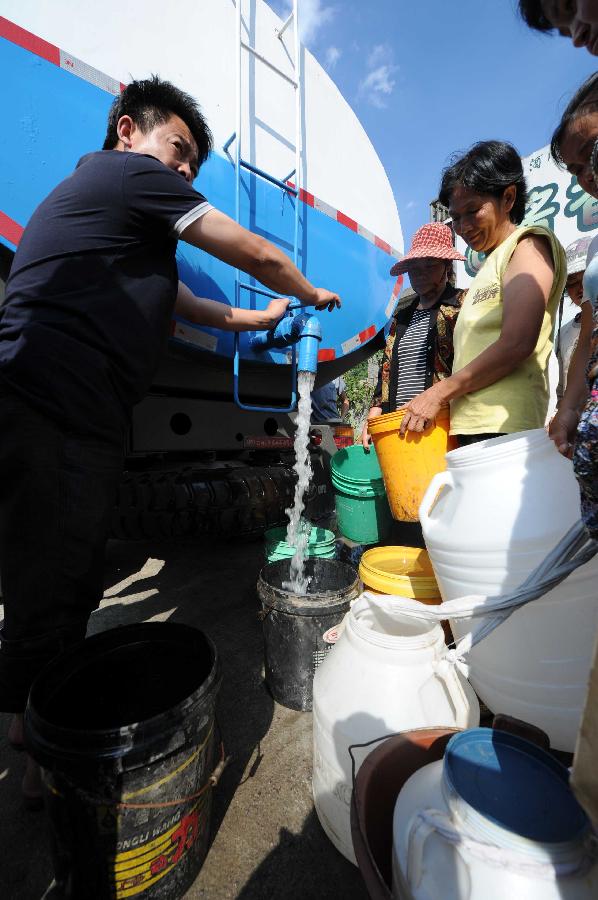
pixel 123 727
pixel 295 624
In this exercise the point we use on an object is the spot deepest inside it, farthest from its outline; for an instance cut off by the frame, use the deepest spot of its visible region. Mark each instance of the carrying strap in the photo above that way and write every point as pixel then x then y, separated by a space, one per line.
pixel 575 549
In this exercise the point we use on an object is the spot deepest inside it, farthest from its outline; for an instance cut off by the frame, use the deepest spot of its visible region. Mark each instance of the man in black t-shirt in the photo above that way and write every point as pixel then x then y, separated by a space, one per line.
pixel 88 304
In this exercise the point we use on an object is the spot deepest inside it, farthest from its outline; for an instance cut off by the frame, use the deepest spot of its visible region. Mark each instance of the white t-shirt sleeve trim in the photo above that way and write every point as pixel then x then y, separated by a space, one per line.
pixel 192 216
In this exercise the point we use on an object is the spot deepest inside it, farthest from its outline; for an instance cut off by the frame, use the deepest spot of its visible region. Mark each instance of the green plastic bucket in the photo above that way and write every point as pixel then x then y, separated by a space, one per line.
pixel 321 544
pixel 362 510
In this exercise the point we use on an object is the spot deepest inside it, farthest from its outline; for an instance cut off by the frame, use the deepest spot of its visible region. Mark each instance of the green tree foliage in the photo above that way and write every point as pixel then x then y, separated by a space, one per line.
pixel 360 391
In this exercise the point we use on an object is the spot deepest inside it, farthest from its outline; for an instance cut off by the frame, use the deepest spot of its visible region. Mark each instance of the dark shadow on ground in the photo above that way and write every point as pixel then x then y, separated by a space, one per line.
pixel 305 867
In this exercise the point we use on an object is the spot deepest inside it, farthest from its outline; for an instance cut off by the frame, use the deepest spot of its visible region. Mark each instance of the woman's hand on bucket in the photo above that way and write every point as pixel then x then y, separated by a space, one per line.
pixel 366 438
pixel 423 409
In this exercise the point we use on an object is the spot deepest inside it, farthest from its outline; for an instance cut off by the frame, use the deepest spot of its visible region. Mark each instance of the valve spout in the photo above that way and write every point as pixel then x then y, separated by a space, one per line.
pixel 311 335
pixel 303 329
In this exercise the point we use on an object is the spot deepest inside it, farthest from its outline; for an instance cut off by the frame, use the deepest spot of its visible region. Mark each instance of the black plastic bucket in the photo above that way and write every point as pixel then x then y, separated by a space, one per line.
pixel 294 625
pixel 123 726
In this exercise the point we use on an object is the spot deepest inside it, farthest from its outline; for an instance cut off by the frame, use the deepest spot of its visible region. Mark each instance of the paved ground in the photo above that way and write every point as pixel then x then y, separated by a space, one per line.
pixel 267 842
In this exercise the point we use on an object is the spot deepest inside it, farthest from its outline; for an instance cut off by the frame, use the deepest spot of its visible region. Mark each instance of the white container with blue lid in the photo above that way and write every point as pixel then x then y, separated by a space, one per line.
pixel 495 819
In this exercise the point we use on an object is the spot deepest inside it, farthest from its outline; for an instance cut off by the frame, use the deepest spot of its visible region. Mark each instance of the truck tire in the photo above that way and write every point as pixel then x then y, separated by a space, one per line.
pixel 185 503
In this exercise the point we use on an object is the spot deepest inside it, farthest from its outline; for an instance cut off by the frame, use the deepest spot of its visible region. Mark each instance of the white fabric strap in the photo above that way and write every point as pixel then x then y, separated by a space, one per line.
pixel 575 549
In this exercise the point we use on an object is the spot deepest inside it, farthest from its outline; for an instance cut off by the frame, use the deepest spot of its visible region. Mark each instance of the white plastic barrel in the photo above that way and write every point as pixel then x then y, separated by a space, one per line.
pixel 385 674
pixel 495 819
pixel 488 521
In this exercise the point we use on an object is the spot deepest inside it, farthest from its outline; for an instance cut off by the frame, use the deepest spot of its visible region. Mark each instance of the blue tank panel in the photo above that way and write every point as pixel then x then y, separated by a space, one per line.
pixel 52 118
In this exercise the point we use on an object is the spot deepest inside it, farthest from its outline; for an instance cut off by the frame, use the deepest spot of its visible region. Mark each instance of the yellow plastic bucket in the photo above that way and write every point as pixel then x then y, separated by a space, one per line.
pixel 410 461
pixel 402 571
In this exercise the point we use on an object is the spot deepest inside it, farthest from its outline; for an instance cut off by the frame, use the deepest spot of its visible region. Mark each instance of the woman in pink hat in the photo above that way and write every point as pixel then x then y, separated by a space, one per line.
pixel 419 349
pixel 503 337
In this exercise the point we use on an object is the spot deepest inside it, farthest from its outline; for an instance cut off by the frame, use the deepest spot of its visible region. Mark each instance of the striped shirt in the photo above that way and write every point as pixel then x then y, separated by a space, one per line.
pixel 412 357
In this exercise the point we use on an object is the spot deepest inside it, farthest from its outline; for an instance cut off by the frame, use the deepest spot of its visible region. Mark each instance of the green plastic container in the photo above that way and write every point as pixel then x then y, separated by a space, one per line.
pixel 362 510
pixel 322 544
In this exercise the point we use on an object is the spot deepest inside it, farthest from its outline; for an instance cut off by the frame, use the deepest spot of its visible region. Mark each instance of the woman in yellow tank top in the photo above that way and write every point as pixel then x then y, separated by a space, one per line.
pixel 503 336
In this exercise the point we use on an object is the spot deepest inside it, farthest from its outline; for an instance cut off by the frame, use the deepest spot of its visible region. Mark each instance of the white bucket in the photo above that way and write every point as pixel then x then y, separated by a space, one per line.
pixel 385 674
pixel 516 831
pixel 488 521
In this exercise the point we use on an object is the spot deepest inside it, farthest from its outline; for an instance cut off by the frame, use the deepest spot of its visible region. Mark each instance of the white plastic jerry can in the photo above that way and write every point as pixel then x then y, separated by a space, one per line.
pixel 385 674
pixel 489 520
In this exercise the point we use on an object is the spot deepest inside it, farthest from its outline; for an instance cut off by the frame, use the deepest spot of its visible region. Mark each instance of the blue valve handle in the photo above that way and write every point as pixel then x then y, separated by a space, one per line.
pixel 303 329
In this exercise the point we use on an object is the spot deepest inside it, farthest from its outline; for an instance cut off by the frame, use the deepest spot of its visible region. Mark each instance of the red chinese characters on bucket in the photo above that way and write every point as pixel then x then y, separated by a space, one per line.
pixel 183 839
pixel 135 872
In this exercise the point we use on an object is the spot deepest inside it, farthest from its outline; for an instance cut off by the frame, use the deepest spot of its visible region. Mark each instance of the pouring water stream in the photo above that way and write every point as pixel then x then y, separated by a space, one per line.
pixel 298 529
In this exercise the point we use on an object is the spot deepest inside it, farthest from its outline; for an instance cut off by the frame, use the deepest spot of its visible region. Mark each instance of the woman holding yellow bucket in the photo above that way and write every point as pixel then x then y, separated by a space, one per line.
pixel 503 338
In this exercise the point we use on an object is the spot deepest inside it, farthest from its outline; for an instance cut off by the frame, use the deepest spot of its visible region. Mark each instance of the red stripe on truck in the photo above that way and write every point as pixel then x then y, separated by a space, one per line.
pixel 10 229
pixel 345 220
pixel 382 245
pixel 326 354
pixel 28 41
pixel 367 334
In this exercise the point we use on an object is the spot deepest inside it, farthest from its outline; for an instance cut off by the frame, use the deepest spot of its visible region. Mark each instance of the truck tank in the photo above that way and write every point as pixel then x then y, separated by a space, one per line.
pixel 291 161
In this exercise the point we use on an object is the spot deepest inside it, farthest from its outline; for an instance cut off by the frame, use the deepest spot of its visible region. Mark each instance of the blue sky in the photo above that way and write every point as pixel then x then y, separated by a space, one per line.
pixel 429 77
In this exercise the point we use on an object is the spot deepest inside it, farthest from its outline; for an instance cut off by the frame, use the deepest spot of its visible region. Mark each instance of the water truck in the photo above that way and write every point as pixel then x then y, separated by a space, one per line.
pixel 210 448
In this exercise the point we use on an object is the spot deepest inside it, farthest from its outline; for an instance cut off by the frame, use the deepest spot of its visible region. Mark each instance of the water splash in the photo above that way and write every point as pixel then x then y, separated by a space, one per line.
pixel 298 529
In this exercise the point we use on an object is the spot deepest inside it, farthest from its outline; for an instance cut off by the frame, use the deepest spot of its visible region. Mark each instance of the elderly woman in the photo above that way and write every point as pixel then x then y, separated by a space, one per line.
pixel 419 349
pixel 575 146
pixel 503 337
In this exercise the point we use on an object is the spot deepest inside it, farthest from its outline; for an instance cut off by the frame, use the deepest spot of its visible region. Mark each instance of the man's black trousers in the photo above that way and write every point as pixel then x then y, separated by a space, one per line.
pixel 57 490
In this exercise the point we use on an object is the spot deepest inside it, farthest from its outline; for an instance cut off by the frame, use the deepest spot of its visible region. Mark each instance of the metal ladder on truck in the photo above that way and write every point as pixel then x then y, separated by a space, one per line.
pixel 285 184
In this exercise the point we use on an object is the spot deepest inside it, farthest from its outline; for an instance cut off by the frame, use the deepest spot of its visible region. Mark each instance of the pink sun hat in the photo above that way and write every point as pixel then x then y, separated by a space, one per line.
pixel 432 241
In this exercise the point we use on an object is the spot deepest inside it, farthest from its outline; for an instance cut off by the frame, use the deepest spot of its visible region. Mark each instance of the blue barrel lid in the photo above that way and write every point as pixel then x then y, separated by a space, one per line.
pixel 515 784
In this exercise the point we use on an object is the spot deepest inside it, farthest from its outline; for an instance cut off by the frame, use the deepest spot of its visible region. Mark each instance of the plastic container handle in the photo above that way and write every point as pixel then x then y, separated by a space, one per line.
pixel 453 687
pixel 420 830
pixel 441 480
pixel 430 820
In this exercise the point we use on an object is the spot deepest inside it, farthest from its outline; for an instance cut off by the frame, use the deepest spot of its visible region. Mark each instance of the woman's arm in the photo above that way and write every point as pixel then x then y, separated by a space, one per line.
pixel 366 438
pixel 564 425
pixel 202 311
pixel 527 285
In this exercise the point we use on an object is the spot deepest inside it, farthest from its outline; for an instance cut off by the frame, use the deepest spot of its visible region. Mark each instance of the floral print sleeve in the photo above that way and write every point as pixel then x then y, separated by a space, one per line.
pixel 585 455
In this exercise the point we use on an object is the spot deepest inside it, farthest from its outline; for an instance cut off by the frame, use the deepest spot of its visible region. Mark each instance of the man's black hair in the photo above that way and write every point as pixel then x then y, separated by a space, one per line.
pixel 152 102
pixel 489 167
pixel 533 15
pixel 583 101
